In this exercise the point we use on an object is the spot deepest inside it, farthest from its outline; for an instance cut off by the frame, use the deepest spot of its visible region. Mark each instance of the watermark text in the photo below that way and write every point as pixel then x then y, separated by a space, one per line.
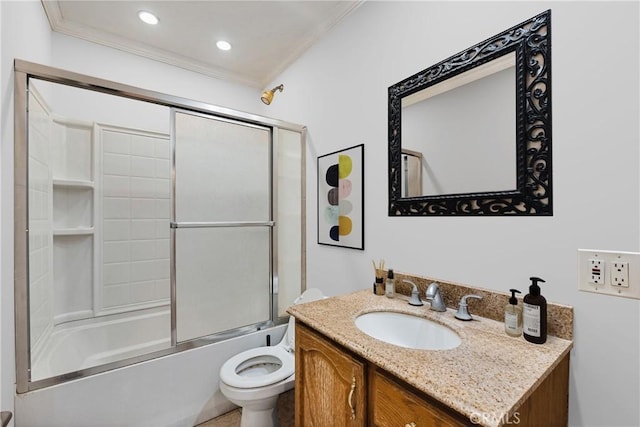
pixel 495 418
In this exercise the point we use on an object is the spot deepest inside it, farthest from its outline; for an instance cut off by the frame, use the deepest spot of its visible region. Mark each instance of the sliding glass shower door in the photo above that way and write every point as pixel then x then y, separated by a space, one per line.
pixel 221 225
pixel 119 192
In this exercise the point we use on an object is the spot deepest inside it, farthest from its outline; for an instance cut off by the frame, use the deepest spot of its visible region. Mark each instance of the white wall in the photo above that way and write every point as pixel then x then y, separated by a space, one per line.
pixel 339 90
pixel 99 61
pixel 25 34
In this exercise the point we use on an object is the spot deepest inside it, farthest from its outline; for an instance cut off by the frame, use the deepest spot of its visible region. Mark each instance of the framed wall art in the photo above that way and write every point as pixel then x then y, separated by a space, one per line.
pixel 341 198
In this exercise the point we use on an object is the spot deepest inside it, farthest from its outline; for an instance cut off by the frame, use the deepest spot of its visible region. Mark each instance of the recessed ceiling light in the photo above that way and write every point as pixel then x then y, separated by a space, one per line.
pixel 223 45
pixel 147 17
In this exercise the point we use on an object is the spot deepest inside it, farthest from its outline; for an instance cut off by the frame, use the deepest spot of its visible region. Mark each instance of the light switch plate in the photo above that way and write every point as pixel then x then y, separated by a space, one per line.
pixel 619 272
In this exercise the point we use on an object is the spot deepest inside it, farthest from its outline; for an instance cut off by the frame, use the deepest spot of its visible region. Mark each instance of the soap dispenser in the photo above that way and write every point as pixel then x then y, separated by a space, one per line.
pixel 513 315
pixel 535 314
pixel 390 286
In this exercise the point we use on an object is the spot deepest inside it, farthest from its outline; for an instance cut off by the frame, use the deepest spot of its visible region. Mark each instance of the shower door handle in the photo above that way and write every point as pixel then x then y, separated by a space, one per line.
pixel 174 224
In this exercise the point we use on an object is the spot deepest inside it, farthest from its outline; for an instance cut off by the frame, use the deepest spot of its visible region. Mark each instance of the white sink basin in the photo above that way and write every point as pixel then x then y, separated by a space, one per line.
pixel 409 331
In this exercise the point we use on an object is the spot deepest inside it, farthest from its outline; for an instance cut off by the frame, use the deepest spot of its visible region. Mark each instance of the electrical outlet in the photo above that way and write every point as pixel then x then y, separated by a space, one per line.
pixel 596 271
pixel 609 272
pixel 620 274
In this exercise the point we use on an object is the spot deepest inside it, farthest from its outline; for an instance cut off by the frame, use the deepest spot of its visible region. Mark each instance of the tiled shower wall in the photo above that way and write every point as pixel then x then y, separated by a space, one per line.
pixel 136 208
pixel 40 222
pixel 132 205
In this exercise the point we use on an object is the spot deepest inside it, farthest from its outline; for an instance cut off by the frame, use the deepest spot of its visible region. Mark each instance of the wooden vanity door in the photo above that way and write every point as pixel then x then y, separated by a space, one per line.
pixel 392 404
pixel 330 384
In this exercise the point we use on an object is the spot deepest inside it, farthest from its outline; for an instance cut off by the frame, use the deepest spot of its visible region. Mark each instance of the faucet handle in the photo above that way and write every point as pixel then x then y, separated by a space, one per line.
pixel 463 311
pixel 415 295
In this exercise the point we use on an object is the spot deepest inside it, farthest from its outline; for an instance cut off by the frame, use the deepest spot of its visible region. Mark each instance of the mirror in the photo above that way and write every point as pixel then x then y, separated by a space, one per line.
pixel 480 124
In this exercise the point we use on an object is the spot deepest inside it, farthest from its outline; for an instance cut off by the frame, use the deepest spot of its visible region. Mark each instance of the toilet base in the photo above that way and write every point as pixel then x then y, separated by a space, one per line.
pixel 259 406
pixel 254 417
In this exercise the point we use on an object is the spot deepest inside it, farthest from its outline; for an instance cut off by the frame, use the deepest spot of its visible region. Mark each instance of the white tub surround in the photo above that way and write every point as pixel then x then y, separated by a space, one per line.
pixel 179 390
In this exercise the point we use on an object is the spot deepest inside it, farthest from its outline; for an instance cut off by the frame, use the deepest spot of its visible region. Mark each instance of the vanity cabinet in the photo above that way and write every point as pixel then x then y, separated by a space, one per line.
pixel 330 383
pixel 335 387
pixel 393 404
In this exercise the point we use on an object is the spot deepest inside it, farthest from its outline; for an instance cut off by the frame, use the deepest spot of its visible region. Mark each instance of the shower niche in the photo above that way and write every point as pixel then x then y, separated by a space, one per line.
pixel 140 222
pixel 72 183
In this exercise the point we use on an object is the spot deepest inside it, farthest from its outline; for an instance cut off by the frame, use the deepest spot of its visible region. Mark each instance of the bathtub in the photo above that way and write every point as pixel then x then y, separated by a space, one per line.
pixel 83 344
pixel 176 390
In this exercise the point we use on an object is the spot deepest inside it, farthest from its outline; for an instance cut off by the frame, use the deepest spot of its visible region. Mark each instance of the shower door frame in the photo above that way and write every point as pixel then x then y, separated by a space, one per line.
pixel 269 223
pixel 23 70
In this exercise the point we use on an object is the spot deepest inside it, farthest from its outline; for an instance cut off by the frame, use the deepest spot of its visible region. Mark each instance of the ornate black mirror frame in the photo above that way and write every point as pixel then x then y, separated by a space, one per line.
pixel 531 42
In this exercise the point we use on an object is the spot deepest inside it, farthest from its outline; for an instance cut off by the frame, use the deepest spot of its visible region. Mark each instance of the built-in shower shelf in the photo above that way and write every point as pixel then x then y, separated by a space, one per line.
pixel 73 231
pixel 72 183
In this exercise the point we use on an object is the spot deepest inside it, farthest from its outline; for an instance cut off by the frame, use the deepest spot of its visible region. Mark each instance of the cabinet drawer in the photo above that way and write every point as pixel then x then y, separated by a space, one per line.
pixel 393 405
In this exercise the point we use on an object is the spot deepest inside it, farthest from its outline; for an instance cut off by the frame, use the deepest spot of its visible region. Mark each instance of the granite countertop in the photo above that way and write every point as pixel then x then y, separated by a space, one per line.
pixel 489 373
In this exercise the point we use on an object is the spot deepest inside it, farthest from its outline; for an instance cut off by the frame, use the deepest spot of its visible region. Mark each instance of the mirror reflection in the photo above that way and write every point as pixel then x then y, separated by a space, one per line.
pixel 411 173
pixel 464 129
pixel 99 205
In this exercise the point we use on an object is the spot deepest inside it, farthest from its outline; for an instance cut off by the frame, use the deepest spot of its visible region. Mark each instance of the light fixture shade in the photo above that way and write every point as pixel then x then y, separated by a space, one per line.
pixel 223 45
pixel 267 95
pixel 147 17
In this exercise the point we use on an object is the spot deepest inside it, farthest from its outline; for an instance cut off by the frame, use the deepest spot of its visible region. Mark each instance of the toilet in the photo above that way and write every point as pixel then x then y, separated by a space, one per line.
pixel 255 378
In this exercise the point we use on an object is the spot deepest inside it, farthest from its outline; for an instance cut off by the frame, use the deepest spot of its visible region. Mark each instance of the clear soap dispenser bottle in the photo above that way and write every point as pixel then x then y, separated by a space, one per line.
pixel 513 316
pixel 390 286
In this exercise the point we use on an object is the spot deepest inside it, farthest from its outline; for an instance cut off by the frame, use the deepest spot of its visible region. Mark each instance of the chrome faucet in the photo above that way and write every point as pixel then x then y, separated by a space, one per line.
pixel 434 297
pixel 463 311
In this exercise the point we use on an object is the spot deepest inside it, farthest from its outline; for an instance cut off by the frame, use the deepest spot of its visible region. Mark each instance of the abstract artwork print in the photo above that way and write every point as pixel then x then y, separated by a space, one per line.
pixel 341 198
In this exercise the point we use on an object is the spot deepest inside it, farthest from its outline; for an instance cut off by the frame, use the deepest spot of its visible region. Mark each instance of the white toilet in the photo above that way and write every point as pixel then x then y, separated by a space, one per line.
pixel 255 378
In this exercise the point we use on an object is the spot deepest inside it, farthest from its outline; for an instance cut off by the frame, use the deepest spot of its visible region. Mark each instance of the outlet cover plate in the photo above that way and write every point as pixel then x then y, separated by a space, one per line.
pixel 619 268
pixel 597 271
pixel 620 274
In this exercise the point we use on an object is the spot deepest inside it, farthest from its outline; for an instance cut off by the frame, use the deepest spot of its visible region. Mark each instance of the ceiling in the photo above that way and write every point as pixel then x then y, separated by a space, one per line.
pixel 266 36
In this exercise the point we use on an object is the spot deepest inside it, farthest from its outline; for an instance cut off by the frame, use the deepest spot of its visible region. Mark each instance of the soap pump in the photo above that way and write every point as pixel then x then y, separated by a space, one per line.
pixel 390 285
pixel 513 315
pixel 535 314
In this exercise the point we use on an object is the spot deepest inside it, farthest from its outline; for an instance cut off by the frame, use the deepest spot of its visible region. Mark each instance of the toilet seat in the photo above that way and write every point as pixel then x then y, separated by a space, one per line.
pixel 277 361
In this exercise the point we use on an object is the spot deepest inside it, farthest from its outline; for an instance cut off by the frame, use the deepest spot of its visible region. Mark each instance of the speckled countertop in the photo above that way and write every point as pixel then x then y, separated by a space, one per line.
pixel 489 373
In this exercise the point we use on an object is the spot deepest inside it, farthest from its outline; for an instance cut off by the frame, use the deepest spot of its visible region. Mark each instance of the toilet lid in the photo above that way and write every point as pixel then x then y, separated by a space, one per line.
pixel 258 367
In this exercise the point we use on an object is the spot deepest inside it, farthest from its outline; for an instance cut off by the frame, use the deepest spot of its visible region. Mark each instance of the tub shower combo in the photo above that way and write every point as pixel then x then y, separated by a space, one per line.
pixel 146 224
